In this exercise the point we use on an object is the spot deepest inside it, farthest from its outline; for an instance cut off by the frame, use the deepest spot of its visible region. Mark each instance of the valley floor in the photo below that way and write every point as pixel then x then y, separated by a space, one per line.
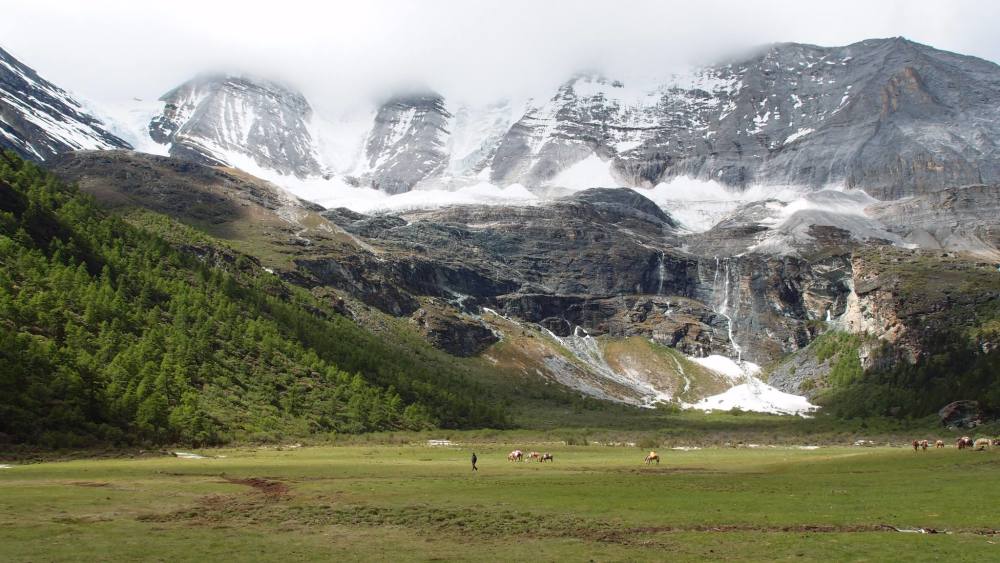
pixel 422 502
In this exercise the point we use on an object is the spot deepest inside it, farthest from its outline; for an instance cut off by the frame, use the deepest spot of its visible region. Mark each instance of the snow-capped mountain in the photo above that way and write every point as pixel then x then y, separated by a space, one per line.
pixel 229 120
pixel 891 116
pixel 39 120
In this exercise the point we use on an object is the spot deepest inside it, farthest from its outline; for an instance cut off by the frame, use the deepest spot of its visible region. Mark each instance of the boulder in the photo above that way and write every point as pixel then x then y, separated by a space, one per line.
pixel 961 414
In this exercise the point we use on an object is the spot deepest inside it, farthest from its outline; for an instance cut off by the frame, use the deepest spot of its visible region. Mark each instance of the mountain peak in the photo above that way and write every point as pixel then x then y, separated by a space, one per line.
pixel 238 120
pixel 39 120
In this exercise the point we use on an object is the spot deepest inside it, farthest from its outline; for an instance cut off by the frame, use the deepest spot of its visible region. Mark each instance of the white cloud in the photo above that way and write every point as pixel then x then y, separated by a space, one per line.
pixel 339 52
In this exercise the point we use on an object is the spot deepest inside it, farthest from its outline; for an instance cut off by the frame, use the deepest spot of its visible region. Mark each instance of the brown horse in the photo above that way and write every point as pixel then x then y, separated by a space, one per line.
pixel 546 457
pixel 964 442
pixel 516 455
pixel 939 444
pixel 534 455
pixel 653 456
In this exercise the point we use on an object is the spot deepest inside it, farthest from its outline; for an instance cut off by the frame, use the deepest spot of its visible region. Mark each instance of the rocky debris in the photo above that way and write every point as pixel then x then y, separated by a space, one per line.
pixel 218 119
pixel 961 414
pixel 800 374
pixel 39 120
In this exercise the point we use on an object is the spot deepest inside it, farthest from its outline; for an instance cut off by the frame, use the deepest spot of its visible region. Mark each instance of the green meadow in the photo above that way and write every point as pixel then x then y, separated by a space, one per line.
pixel 404 502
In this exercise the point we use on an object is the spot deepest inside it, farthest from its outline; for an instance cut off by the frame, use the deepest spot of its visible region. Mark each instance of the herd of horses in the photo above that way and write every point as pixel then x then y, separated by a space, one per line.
pixel 962 443
pixel 518 455
pixel 965 442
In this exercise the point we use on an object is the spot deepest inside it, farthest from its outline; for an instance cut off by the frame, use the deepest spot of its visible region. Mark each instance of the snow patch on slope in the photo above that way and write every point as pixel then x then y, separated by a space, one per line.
pixel 701 204
pixel 756 396
pixel 748 393
pixel 591 172
pixel 129 119
pixel 790 220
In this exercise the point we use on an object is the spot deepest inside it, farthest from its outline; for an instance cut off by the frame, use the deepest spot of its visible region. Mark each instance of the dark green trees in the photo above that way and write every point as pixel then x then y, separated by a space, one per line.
pixel 109 334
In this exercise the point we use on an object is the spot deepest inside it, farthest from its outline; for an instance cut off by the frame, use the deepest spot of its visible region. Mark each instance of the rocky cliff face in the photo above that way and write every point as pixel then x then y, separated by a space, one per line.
pixel 612 263
pixel 39 120
pixel 231 120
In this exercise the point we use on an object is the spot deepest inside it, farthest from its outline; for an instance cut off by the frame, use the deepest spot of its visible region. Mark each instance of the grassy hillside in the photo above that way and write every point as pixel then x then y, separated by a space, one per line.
pixel 112 334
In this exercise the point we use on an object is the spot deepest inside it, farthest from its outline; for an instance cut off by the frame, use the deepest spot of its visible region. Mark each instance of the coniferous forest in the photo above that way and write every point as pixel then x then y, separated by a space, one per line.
pixel 112 335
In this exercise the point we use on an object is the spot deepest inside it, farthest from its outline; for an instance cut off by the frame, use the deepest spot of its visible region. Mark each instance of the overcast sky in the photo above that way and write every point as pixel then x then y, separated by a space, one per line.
pixel 337 51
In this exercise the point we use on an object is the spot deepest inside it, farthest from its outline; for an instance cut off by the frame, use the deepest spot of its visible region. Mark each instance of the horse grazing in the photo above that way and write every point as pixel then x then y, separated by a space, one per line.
pixel 516 455
pixel 939 444
pixel 653 456
pixel 964 442
pixel 924 444
pixel 916 444
pixel 546 457
pixel 534 455
pixel 982 444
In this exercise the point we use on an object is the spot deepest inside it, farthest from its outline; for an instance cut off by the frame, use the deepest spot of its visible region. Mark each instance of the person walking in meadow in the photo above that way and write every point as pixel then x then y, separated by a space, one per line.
pixel 474 460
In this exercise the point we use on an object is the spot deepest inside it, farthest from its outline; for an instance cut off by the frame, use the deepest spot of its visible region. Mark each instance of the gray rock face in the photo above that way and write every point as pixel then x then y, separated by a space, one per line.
pixel 407 143
pixel 219 120
pixel 39 120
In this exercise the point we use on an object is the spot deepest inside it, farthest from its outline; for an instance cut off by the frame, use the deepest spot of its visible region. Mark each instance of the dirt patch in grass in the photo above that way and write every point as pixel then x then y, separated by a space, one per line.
pixel 270 488
pixel 89 484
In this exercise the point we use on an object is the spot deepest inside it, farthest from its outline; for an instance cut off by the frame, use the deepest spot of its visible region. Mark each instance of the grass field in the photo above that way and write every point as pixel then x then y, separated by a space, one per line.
pixel 416 502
